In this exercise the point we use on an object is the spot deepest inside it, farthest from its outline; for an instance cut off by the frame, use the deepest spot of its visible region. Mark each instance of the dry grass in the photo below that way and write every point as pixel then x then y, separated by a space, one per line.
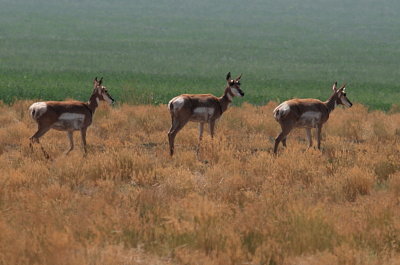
pixel 128 202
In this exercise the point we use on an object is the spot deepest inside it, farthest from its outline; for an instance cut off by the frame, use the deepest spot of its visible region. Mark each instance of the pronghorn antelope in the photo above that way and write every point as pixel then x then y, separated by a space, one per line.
pixel 202 108
pixel 307 113
pixel 68 115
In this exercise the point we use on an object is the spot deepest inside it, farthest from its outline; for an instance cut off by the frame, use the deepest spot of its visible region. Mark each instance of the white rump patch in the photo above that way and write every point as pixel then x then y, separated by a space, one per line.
pixel 69 121
pixel 281 111
pixel 37 109
pixel 177 103
pixel 284 107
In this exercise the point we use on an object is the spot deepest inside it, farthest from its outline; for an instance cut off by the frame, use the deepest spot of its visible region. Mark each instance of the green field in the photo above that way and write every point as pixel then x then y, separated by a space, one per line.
pixel 149 51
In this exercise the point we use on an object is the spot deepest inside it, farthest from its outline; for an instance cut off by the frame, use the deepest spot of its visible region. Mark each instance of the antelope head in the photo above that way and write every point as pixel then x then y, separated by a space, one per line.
pixel 234 86
pixel 341 98
pixel 101 92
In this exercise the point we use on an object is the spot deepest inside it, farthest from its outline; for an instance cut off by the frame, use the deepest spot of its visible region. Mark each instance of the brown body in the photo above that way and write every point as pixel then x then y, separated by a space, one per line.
pixel 214 107
pixel 202 108
pixel 308 114
pixel 68 115
pixel 56 108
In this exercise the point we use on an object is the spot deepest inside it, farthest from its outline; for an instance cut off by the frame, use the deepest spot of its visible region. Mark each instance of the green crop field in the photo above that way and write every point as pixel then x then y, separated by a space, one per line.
pixel 149 51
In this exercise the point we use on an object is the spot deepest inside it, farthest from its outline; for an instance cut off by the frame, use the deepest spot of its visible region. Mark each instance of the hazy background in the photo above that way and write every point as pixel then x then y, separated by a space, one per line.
pixel 149 51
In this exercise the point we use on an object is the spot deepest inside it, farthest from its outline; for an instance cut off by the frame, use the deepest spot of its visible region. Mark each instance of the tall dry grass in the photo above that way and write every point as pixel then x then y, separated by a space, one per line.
pixel 128 202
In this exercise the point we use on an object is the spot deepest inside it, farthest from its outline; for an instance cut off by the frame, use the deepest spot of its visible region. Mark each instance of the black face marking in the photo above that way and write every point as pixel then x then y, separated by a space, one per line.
pixel 110 97
pixel 105 91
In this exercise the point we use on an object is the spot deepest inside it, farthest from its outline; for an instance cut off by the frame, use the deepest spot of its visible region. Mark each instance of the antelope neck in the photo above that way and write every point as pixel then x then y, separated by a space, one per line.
pixel 92 103
pixel 225 100
pixel 331 102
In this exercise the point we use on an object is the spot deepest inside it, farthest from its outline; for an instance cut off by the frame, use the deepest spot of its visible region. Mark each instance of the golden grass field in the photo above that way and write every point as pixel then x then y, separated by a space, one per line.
pixel 128 202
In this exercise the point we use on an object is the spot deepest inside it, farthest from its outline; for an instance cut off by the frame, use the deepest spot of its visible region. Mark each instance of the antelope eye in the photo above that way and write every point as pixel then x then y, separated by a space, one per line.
pixel 344 94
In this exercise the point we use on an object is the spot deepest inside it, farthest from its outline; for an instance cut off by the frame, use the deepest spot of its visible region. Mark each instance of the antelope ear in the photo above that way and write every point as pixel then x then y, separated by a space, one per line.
pixel 334 87
pixel 240 76
pixel 101 80
pixel 228 76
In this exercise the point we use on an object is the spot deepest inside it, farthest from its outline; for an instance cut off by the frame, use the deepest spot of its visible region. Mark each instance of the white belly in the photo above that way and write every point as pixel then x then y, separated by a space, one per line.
pixel 69 122
pixel 309 119
pixel 202 114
